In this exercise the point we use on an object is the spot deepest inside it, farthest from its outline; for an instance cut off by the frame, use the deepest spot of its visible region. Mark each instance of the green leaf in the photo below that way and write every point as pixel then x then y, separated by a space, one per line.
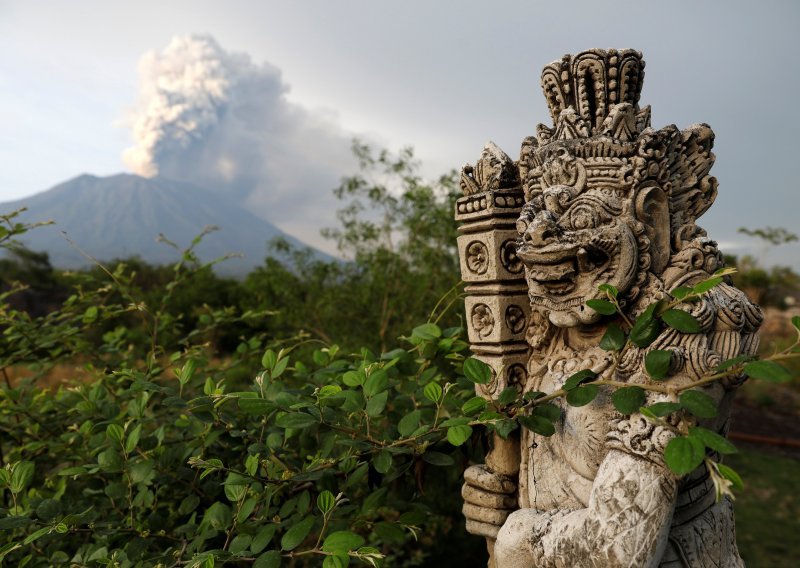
pixel 602 307
pixel 377 382
pixel 296 420
pixel 613 339
pixel 412 518
pixel 326 501
pixel 681 292
pixel 538 424
pixel 796 324
pixel 90 315
pixel 390 532
pixel 578 378
pixel 477 371
pixel 141 471
pixel 270 559
pixel 77 470
pixel 609 289
pixel 269 359
pixel 21 476
pixel 329 390
pixel 657 363
pixel 341 560
pixel 438 458
pixel 680 320
pixel 115 432
pixel 767 371
pixel 36 535
pixel 731 475
pixel 582 395
pixel 10 547
pixel 255 406
pixel 297 534
pixel 505 427
pixel 661 409
pixel 646 327
pixel 133 438
pixel 374 500
pixel 342 541
pixel 247 508
pixel 713 440
pixel 548 410
pixel 727 364
pixel 354 378
pixel 457 421
pixel 240 543
pixel 409 423
pixel 263 538
pixel 698 403
pixel 457 435
pixel 9 523
pixel 473 406
pixel 706 285
pixel 377 403
pixel 382 461
pixel 280 367
pixel 187 372
pixel 628 400
pixel 508 396
pixel 684 455
pixel 427 332
pixel 433 392
pixel 236 486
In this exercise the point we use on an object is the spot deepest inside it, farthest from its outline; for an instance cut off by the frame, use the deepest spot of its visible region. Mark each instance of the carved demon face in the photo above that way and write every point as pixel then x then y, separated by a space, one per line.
pixel 575 233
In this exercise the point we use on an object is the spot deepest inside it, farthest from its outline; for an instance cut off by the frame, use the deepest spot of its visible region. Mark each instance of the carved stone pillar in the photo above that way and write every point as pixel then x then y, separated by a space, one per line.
pixel 497 305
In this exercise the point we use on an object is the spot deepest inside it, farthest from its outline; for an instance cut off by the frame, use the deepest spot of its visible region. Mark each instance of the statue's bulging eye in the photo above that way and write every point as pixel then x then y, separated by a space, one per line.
pixel 522 226
pixel 583 218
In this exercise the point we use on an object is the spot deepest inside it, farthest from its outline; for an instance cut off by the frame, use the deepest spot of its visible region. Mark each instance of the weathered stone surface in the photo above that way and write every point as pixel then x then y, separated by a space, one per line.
pixel 598 198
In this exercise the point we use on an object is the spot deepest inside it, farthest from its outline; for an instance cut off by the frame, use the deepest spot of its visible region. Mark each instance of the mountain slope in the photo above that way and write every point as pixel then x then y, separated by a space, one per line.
pixel 122 215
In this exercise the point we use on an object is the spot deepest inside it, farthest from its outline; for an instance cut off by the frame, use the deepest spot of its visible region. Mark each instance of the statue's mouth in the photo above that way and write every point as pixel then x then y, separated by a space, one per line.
pixel 557 270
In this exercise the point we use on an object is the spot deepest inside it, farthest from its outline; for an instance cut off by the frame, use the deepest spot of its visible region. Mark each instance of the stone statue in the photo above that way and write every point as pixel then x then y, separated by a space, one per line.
pixel 599 198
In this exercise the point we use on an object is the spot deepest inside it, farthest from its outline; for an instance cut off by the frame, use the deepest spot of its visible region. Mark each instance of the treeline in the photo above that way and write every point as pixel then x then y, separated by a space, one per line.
pixel 182 433
pixel 396 232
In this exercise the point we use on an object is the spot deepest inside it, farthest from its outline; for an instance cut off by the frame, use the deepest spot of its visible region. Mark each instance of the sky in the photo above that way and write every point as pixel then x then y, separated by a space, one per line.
pixel 83 85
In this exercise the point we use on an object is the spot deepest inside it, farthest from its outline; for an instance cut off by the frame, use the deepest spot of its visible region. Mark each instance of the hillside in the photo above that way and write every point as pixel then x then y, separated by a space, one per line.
pixel 122 215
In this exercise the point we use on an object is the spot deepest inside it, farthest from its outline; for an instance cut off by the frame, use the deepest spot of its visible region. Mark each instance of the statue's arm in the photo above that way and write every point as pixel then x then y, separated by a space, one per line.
pixel 626 522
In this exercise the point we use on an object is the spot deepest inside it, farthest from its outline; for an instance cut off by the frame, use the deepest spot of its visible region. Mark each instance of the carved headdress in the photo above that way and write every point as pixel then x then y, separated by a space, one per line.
pixel 601 136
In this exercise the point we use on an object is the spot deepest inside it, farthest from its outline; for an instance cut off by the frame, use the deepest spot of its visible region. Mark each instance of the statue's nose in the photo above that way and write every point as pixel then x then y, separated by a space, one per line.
pixel 542 231
pixel 557 198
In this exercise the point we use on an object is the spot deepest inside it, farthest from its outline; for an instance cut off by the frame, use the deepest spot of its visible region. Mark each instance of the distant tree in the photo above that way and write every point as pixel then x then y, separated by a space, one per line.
pixel 767 286
pixel 398 235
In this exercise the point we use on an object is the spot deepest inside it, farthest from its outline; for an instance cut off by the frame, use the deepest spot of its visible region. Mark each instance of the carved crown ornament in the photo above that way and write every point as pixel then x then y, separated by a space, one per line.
pixel 601 151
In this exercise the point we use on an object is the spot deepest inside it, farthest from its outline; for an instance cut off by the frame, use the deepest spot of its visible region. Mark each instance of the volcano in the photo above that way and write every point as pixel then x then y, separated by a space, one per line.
pixel 123 215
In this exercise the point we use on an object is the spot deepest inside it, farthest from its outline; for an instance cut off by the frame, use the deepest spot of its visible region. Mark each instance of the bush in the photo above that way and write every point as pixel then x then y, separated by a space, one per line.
pixel 142 468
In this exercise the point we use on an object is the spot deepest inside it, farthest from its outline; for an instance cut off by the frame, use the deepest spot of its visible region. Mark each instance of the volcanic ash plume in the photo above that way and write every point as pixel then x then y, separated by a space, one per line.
pixel 221 121
pixel 184 91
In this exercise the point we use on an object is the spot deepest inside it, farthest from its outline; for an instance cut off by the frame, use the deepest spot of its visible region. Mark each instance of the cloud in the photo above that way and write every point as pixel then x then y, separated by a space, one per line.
pixel 221 121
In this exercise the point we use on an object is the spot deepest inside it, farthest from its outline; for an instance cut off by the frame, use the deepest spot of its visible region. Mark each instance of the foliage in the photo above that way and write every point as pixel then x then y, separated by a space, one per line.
pixel 767 512
pixel 767 286
pixel 204 434
pixel 401 234
pixel 772 235
pixel 173 464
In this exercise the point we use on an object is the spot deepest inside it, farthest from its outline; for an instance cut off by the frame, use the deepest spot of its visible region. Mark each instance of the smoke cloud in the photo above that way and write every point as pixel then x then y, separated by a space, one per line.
pixel 220 121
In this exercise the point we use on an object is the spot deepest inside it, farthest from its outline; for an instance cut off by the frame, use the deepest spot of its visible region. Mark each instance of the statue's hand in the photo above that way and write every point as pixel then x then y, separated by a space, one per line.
pixel 489 498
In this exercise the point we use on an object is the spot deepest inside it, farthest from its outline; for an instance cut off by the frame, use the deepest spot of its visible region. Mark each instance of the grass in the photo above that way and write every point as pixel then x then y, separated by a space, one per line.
pixel 768 510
